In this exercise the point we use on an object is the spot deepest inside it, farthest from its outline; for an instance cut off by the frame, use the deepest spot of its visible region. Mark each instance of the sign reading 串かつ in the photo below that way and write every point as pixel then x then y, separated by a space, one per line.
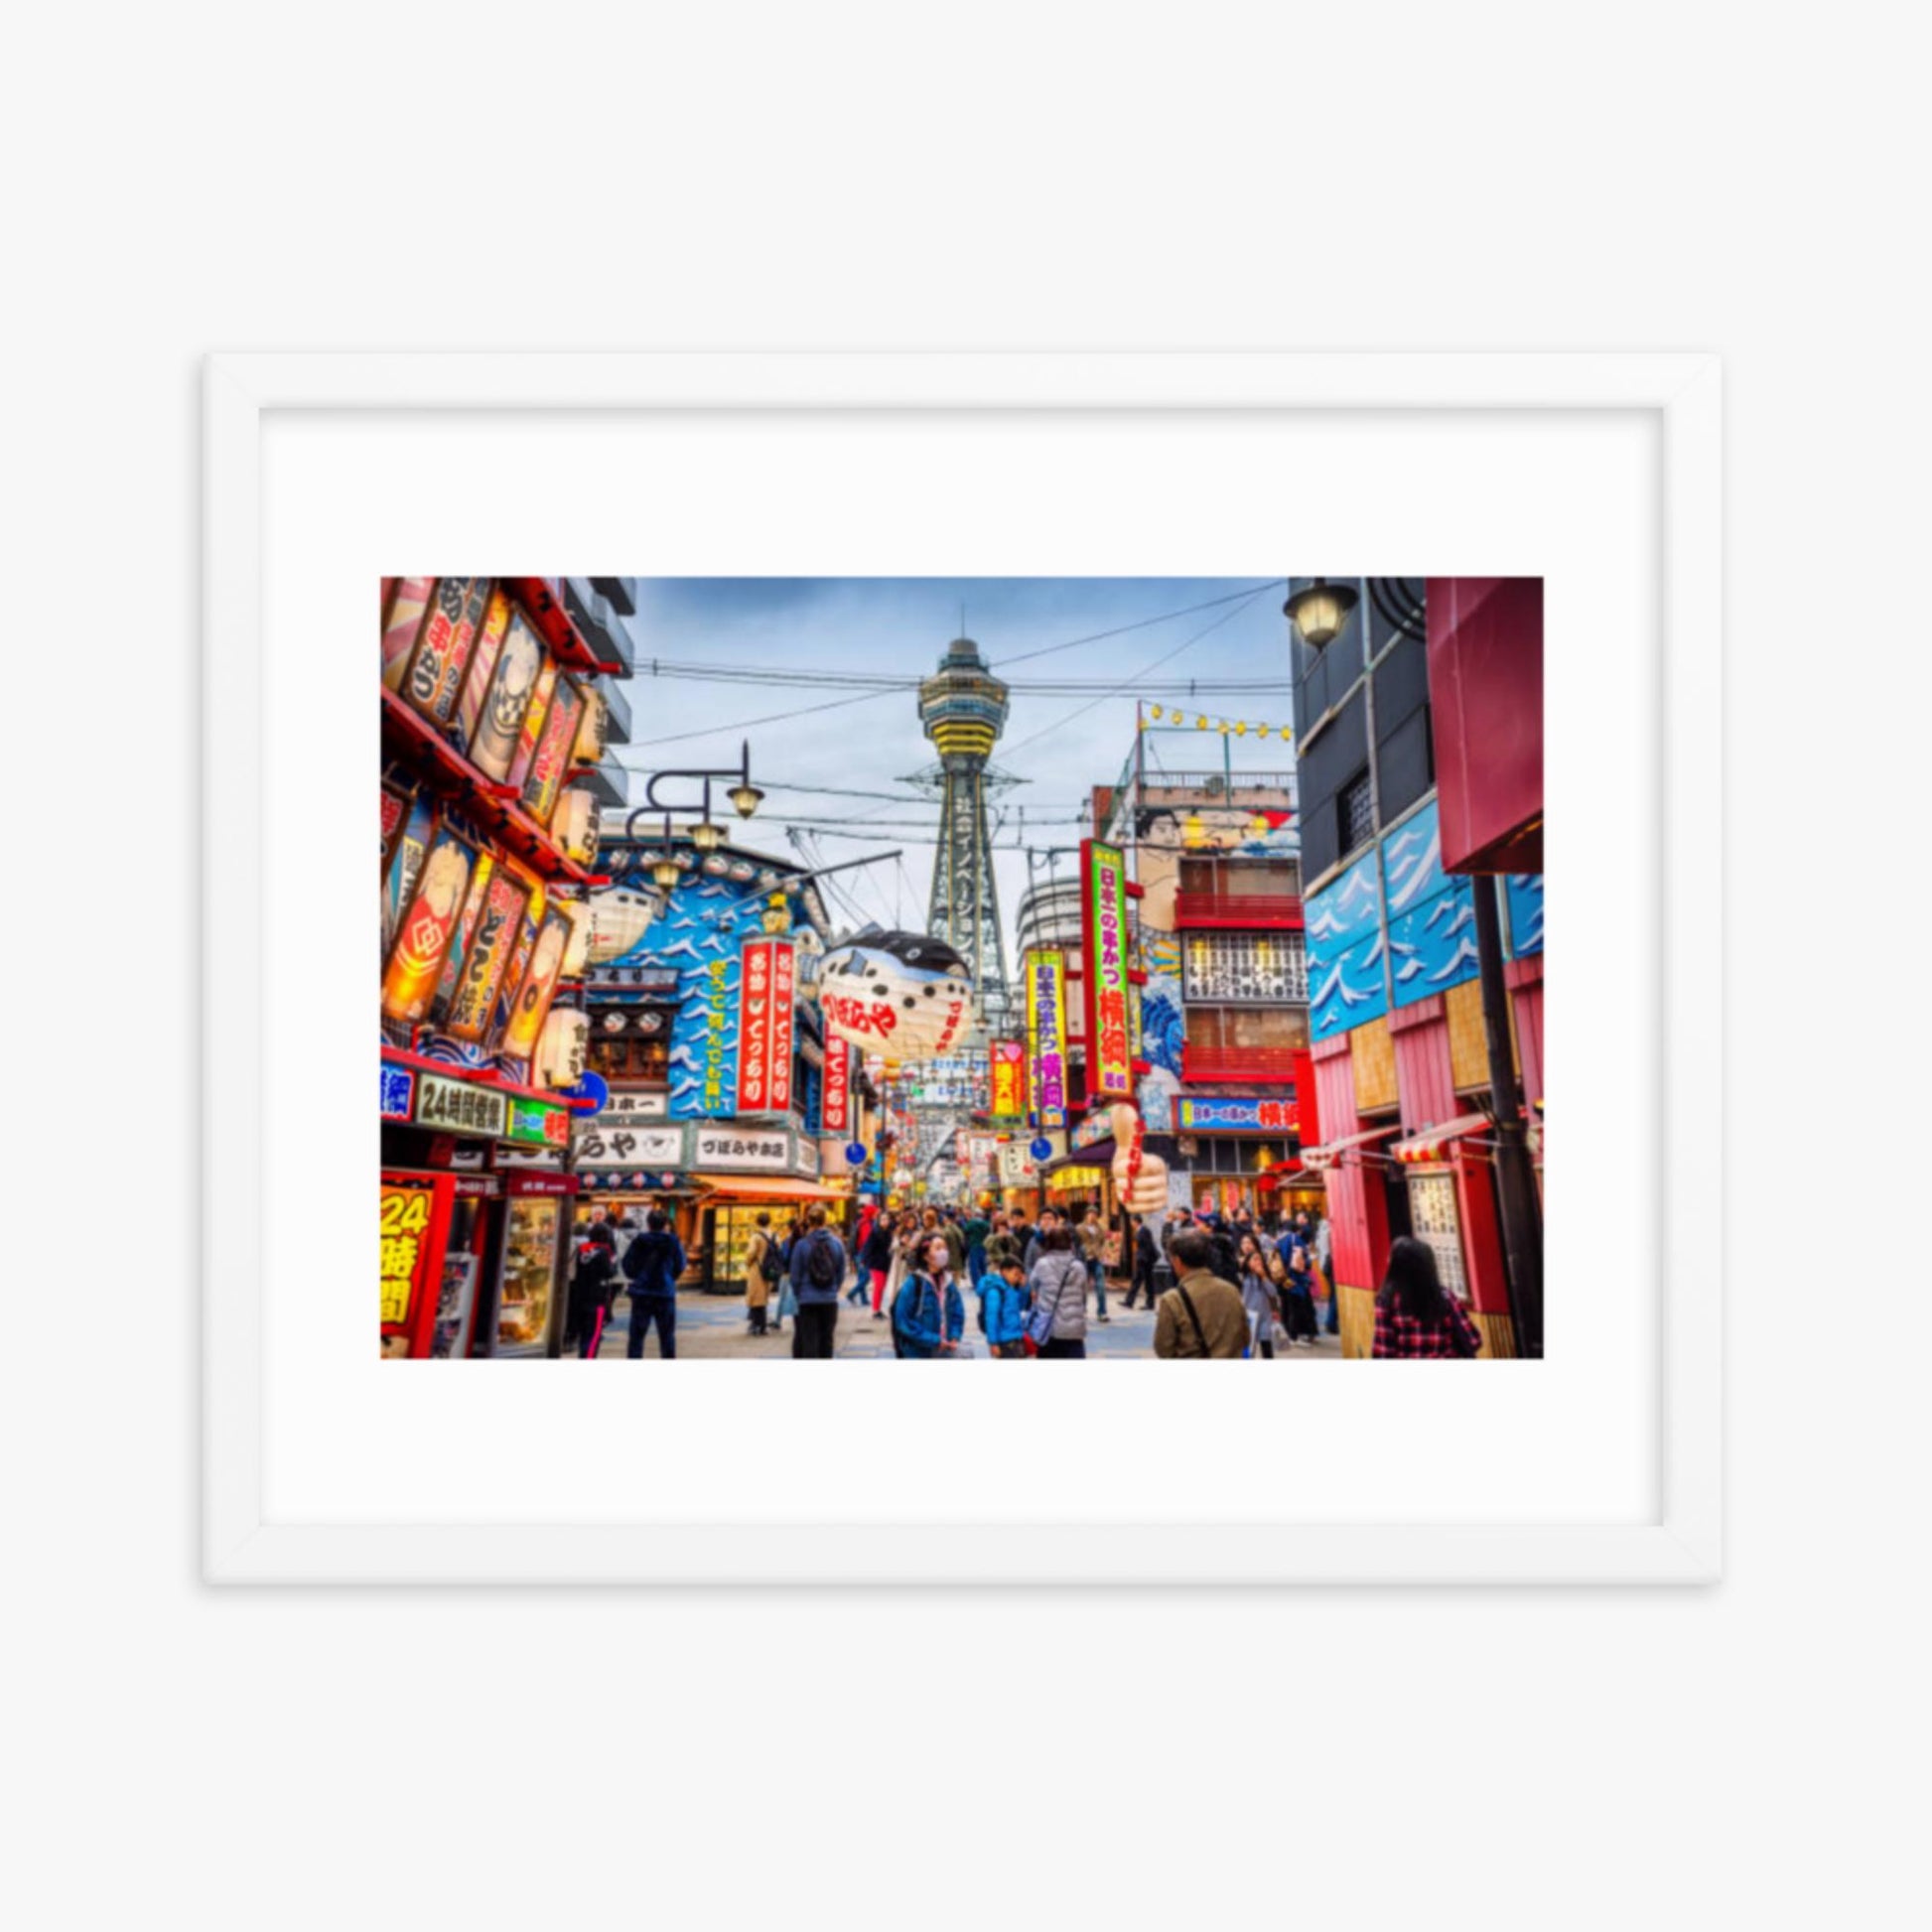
pixel 1046 1034
pixel 1008 1078
pixel 1239 1114
pixel 457 1107
pixel 1110 1067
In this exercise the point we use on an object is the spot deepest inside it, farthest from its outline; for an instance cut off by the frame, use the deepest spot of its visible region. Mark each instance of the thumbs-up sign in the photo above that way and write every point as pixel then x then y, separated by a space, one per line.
pixel 1140 1177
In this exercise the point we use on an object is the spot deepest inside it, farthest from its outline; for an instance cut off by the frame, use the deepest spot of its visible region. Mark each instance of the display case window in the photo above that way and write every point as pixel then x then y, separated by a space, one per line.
pixel 1433 1219
pixel 529 1270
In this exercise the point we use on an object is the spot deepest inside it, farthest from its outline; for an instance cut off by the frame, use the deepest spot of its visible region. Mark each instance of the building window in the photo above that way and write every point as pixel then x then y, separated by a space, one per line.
pixel 1247 1030
pixel 1355 813
pixel 1242 877
pixel 1245 968
pixel 632 1059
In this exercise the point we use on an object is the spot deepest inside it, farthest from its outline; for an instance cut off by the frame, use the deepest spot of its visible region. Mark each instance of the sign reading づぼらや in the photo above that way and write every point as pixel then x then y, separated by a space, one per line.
pixel 731 1148
pixel 1046 1034
pixel 1110 1065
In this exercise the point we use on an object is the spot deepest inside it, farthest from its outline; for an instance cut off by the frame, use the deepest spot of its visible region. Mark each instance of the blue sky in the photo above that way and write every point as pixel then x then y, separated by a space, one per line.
pixel 1057 745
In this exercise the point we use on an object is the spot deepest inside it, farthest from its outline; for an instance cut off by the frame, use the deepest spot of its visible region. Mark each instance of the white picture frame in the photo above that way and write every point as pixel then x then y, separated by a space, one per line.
pixel 241 1541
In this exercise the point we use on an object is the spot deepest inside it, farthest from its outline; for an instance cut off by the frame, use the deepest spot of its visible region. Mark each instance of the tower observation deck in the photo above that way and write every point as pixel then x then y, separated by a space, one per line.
pixel 963 708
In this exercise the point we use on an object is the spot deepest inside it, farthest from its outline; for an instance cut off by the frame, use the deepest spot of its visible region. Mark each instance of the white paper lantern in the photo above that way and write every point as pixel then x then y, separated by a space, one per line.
pixel 562 1048
pixel 577 949
pixel 576 823
pixel 593 729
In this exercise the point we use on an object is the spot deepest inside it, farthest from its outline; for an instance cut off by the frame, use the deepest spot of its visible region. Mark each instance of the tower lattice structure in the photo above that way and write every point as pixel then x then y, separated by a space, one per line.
pixel 963 708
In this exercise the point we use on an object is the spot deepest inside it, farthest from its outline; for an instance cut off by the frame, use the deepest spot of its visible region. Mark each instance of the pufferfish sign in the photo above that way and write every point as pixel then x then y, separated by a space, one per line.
pixel 902 995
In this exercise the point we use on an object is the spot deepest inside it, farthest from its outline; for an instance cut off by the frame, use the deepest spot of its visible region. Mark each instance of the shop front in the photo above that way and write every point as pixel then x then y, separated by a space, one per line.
pixel 475 1214
pixel 1448 1176
pixel 1238 1148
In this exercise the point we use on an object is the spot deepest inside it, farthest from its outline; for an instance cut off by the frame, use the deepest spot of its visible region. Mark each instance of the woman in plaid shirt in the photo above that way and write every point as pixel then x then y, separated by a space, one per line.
pixel 1416 1316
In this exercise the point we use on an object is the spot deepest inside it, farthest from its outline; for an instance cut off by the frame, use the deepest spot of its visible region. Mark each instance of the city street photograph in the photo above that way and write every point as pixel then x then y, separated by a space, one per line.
pixel 992 969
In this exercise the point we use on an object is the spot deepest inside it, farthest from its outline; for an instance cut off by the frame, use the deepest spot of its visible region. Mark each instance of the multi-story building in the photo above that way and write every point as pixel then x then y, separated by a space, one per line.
pixel 497 700
pixel 1419 714
pixel 1225 1020
pixel 726 1098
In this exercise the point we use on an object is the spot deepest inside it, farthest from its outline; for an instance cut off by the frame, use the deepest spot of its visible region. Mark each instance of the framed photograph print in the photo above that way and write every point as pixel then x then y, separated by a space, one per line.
pixel 1027 859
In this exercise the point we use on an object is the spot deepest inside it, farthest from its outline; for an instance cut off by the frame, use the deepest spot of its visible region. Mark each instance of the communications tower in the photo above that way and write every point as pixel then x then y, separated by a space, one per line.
pixel 963 708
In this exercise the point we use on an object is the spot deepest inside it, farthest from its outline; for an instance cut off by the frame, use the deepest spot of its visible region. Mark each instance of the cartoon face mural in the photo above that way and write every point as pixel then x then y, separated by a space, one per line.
pixel 904 994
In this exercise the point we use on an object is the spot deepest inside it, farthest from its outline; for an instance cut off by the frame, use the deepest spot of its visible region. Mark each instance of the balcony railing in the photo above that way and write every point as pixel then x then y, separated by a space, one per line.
pixel 1266 1064
pixel 1259 911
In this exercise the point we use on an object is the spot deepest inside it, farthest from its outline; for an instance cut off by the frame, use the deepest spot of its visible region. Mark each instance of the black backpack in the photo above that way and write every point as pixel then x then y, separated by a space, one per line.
pixel 824 1260
pixel 771 1263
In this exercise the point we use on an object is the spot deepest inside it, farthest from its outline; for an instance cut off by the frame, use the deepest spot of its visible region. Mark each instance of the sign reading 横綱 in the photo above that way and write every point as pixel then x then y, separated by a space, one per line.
pixel 764 1027
pixel 1046 1034
pixel 836 1100
pixel 1235 1114
pixel 1110 1065
pixel 1009 1079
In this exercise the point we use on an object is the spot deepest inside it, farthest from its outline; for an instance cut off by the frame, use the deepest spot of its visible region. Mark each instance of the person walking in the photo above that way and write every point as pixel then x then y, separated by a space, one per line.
pixel 762 1269
pixel 929 1317
pixel 1092 1237
pixel 817 1275
pixel 1059 1281
pixel 1005 1303
pixel 1297 1292
pixel 977 1230
pixel 857 1293
pixel 1202 1317
pixel 592 1288
pixel 1260 1295
pixel 1416 1317
pixel 1324 1259
pixel 1146 1258
pixel 1037 1245
pixel 876 1259
pixel 654 1261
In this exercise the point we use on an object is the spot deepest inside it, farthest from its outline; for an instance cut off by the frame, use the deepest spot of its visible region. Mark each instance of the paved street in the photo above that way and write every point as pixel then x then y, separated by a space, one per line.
pixel 713 1327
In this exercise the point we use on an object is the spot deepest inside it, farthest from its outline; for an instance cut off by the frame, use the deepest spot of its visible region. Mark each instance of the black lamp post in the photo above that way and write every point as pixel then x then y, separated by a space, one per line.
pixel 707 835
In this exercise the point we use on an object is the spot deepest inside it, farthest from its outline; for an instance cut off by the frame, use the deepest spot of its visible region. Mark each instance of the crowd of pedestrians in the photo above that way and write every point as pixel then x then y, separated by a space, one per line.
pixel 1219 1287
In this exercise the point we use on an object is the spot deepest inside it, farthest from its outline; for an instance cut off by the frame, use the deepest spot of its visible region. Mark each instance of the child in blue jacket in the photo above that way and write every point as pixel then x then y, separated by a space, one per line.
pixel 1005 1302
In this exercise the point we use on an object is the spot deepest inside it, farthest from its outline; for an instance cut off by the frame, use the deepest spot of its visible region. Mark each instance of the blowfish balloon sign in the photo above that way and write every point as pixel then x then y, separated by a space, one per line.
pixel 903 995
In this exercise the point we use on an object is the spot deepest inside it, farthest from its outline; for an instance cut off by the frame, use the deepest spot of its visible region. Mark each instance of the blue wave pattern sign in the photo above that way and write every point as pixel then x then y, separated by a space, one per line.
pixel 699 935
pixel 1525 894
pixel 1431 913
pixel 1344 944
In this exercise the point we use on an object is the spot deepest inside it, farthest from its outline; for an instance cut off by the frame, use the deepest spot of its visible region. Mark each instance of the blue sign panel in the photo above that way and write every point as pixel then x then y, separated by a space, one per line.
pixel 1344 945
pixel 855 1154
pixel 1235 1114
pixel 1431 913
pixel 398 1091
pixel 1525 894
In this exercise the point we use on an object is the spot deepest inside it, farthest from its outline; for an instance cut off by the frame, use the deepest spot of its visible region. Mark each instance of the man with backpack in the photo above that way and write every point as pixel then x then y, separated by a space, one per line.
pixel 817 1276
pixel 654 1261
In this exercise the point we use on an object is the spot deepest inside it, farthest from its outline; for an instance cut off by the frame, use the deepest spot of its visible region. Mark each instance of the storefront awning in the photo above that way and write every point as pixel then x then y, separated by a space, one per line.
pixel 1435 1142
pixel 1096 1154
pixel 1329 1152
pixel 730 1188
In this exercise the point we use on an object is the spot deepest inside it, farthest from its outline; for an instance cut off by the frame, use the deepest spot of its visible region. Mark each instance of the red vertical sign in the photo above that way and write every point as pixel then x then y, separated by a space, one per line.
pixel 835 1111
pixel 764 1027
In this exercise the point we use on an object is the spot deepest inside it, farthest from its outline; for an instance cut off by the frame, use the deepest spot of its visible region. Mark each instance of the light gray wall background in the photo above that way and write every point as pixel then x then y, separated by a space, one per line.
pixel 1482 175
